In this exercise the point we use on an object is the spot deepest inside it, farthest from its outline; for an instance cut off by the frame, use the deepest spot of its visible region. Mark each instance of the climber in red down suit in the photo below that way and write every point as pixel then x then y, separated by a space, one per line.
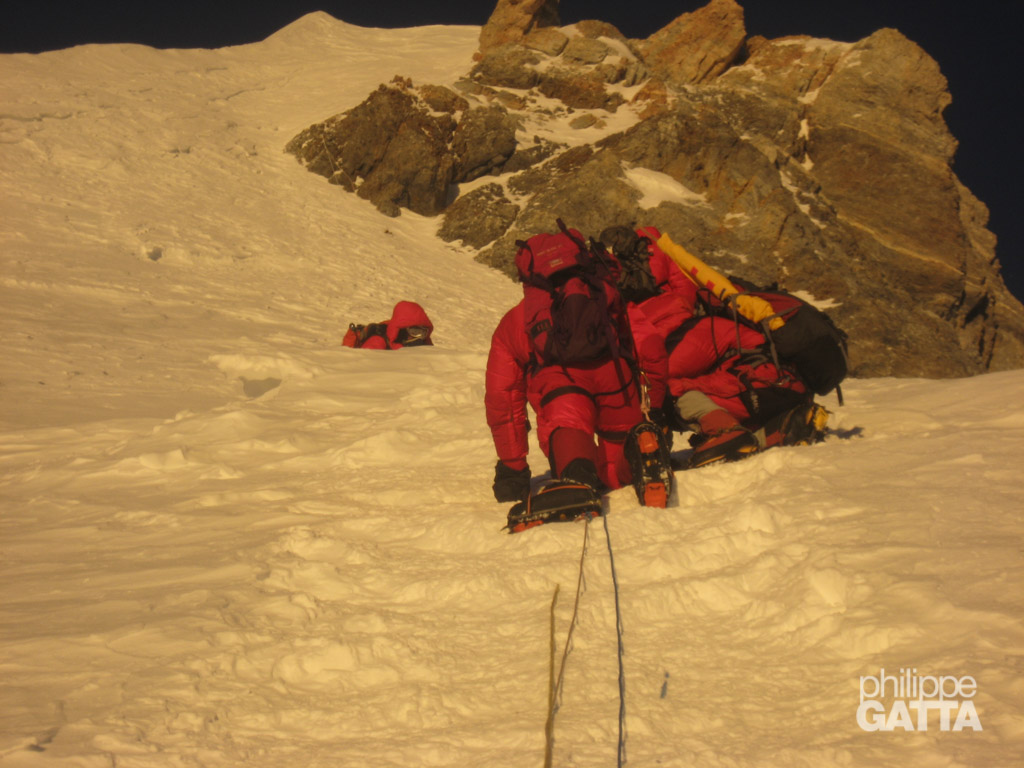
pixel 723 382
pixel 574 405
pixel 409 326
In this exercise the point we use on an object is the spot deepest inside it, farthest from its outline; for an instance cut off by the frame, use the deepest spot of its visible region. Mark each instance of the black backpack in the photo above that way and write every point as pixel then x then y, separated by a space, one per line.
pixel 808 340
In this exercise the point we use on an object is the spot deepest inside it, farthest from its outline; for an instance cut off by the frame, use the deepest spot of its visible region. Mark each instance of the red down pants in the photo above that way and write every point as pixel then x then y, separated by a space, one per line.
pixel 599 400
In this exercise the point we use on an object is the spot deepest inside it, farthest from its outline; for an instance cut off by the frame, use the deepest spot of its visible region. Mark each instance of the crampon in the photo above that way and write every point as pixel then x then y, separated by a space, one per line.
pixel 558 501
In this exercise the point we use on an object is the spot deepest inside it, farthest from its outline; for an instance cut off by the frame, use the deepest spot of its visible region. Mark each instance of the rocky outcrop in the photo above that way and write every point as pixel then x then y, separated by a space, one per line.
pixel 574 65
pixel 581 186
pixel 579 75
pixel 823 166
pixel 697 46
pixel 480 217
pixel 405 148
pixel 512 20
pixel 864 123
pixel 482 142
pixel 508 66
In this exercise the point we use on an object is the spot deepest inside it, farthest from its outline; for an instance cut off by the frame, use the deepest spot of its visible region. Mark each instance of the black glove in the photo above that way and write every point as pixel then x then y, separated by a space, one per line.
pixel 511 484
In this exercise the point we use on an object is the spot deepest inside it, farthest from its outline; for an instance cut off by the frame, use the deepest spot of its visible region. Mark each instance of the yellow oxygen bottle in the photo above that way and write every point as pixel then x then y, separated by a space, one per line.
pixel 751 307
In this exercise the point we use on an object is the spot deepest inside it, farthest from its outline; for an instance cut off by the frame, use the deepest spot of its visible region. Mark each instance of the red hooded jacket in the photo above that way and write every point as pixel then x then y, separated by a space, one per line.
pixel 406 316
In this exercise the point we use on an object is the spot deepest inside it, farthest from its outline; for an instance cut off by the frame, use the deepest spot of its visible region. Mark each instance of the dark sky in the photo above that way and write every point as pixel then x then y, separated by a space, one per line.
pixel 970 39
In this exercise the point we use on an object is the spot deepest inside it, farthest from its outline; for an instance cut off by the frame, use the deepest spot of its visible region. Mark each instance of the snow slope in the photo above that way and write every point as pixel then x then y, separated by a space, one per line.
pixel 225 540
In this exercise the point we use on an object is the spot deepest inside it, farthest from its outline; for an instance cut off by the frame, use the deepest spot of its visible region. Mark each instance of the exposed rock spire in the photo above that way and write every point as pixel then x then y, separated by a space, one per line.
pixel 696 46
pixel 512 20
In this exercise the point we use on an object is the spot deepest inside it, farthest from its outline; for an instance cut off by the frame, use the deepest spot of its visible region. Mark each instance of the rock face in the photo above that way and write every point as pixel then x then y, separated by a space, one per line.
pixel 862 124
pixel 512 20
pixel 480 217
pixel 404 147
pixel 823 166
pixel 697 46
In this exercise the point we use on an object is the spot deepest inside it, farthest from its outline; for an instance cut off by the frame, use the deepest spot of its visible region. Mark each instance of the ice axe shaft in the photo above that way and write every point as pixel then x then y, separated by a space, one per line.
pixel 751 307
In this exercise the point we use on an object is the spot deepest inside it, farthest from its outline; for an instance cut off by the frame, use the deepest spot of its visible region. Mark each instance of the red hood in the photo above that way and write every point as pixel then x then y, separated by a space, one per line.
pixel 405 315
pixel 409 313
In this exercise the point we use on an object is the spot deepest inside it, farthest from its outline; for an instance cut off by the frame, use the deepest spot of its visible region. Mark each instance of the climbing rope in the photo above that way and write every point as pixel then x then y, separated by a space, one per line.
pixel 621 652
pixel 557 682
pixel 555 694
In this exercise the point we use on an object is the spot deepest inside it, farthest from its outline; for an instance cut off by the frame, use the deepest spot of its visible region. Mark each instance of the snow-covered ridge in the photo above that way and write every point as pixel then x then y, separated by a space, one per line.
pixel 196 572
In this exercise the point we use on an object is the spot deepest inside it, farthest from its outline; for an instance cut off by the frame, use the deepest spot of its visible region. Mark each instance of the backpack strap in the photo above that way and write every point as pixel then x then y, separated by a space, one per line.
pixel 522 245
pixel 675 337
pixel 574 389
pixel 568 389
pixel 565 231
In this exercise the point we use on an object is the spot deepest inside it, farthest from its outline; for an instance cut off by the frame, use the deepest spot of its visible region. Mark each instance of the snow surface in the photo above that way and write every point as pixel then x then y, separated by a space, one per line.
pixel 658 188
pixel 228 541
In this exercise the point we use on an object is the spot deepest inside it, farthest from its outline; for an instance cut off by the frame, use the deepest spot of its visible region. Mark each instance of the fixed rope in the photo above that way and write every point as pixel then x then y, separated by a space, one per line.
pixel 556 683
pixel 555 693
pixel 621 652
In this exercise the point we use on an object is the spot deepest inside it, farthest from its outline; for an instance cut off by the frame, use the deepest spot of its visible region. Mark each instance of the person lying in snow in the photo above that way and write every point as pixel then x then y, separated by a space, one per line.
pixel 409 326
pixel 724 384
pixel 565 350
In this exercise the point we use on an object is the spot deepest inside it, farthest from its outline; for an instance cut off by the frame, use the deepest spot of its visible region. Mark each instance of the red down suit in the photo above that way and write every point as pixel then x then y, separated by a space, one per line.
pixel 731 364
pixel 598 398
pixel 727 361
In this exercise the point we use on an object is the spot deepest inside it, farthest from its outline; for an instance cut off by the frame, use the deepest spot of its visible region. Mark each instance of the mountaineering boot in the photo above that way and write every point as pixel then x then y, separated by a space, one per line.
pixel 648 457
pixel 557 501
pixel 803 425
pixel 584 472
pixel 721 438
pixel 807 426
